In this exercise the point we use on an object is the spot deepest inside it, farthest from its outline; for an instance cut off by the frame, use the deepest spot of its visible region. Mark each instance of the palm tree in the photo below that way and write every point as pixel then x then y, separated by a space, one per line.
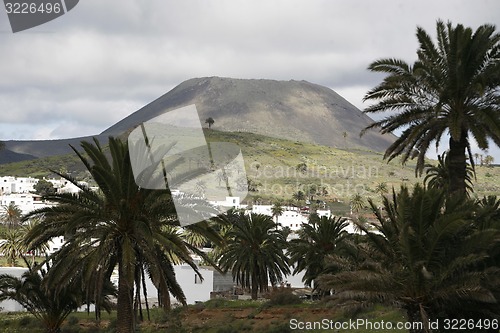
pixel 121 225
pixel 42 247
pixel 51 307
pixel 210 121
pixel 312 190
pixel 451 88
pixel 276 211
pixel 201 187
pixel 381 188
pixel 476 156
pixel 254 252
pixel 488 160
pixel 438 176
pixel 427 256
pixel 357 203
pixel 12 246
pixel 299 196
pixel 11 215
pixel 318 239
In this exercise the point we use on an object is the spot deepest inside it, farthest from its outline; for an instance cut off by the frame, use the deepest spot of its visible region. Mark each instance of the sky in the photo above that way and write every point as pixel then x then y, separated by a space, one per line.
pixel 84 71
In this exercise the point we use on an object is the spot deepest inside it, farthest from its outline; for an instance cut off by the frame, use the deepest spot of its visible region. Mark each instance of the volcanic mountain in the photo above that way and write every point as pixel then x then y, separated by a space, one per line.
pixel 294 110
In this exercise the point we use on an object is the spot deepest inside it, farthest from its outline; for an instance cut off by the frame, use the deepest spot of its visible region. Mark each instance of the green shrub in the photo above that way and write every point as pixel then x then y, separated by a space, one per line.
pixel 283 296
pixel 282 328
pixel 73 320
pixel 112 326
pixel 72 329
pixel 25 321
pixel 228 329
pixel 216 303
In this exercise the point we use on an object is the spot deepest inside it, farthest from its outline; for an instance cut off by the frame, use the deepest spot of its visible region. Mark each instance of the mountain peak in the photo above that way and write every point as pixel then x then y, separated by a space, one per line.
pixel 293 110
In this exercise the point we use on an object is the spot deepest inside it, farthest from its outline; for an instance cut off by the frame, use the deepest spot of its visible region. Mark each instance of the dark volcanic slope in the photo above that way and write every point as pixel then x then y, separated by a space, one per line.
pixel 43 148
pixel 295 110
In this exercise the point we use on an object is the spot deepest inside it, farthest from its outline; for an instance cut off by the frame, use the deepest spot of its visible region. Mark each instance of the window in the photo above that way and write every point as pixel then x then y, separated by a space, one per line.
pixel 197 279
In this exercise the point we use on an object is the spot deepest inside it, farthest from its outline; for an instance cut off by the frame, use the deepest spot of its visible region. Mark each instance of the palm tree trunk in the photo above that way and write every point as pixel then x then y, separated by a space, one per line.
pixel 413 316
pixel 125 311
pixel 458 164
pixel 164 296
pixel 255 287
pixel 145 291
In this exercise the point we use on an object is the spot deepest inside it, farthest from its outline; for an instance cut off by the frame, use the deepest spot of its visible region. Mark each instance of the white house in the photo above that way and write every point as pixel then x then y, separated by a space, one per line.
pixel 26 202
pixel 291 217
pixel 233 202
pixel 64 186
pixel 9 184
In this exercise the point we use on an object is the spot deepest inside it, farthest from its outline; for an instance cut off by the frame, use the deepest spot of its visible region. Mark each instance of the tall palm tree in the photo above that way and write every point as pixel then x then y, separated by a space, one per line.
pixel 317 240
pixel 121 225
pixel 277 210
pixel 42 247
pixel 427 256
pixel 452 88
pixel 255 252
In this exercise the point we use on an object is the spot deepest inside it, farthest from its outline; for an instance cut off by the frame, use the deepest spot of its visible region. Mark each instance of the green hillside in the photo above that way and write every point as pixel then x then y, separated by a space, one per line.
pixel 271 165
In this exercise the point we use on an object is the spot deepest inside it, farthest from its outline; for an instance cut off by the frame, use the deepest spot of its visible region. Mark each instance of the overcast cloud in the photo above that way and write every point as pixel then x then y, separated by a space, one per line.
pixel 84 71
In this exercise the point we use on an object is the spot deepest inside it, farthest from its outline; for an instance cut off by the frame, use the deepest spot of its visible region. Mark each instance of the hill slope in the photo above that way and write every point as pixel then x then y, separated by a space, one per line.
pixel 271 164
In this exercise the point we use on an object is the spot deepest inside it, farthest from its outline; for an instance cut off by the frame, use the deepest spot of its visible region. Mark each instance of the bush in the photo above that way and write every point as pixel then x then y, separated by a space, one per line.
pixel 216 303
pixel 71 330
pixel 283 328
pixel 25 321
pixel 73 320
pixel 112 326
pixel 228 329
pixel 283 296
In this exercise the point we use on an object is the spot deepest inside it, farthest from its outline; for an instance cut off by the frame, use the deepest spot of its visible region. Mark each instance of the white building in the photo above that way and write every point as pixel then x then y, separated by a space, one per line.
pixel 26 202
pixel 291 217
pixel 64 186
pixel 9 184
pixel 230 202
